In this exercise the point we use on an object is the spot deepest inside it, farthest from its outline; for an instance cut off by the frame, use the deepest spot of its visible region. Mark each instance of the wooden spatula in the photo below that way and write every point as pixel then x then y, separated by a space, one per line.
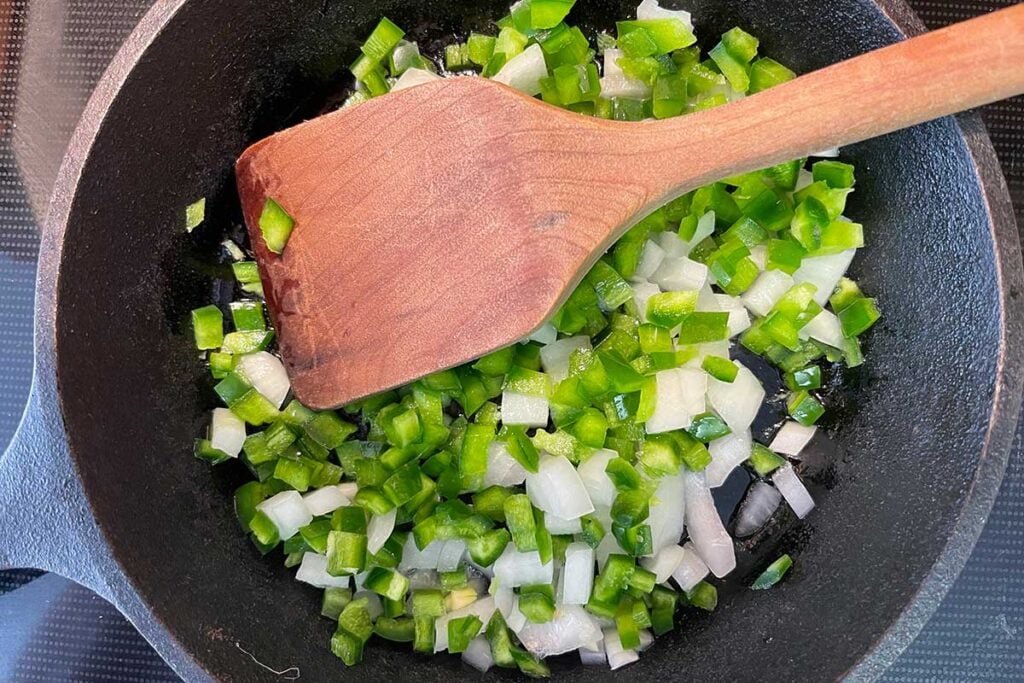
pixel 439 223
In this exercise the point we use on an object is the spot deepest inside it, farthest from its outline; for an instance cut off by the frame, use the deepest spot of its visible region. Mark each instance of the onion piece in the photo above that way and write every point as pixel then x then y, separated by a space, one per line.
pixel 666 561
pixel 650 9
pixel 523 409
pixel 577 574
pixel 767 289
pixel 705 228
pixel 478 654
pixel 823 272
pixel 829 153
pixel 667 513
pixel 739 319
pixel 691 569
pixel 825 328
pixel 556 488
pixel 524 71
pixel 594 656
pixel 379 529
pixel 265 372
pixel 483 608
pixel 502 468
pixel 423 578
pixel 646 640
pixel 287 511
pixel 673 244
pixel 792 438
pixel 592 473
pixel 642 291
pixel 679 274
pixel 758 506
pixel 737 402
pixel 711 540
pixel 726 454
pixel 615 83
pixel 679 395
pixel 227 432
pixel 326 500
pixel 803 179
pixel 759 255
pixel 618 657
pixel 313 570
pixel 414 558
pixel 545 334
pixel 450 557
pixel 413 77
pixel 554 357
pixel 514 569
pixel 570 629
pixel 560 527
pixel 650 258
pixel 349 489
pixel 793 490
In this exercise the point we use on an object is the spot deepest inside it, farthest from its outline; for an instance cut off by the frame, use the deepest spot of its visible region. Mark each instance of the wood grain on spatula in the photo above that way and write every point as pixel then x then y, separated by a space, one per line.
pixel 439 223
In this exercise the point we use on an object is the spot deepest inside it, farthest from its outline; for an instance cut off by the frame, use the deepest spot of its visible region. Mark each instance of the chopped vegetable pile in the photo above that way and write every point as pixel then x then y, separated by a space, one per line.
pixel 556 495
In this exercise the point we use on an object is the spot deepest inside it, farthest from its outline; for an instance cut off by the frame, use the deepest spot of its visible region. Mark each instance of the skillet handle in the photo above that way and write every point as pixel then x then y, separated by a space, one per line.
pixel 45 522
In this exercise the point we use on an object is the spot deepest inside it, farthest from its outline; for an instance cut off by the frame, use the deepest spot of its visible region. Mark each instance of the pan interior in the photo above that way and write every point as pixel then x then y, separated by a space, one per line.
pixel 910 426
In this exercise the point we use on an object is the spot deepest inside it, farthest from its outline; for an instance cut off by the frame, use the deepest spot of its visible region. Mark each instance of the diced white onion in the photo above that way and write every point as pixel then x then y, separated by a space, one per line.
pixel 571 628
pixel 545 334
pixel 514 569
pixel 592 473
pixel 615 83
pixel 313 570
pixel 737 402
pixel 793 490
pixel 766 290
pixel 760 503
pixel 502 468
pixel 523 409
pixel 650 9
pixel 726 453
pixel 803 179
pixel 325 500
pixel 560 527
pixel 524 71
pixel 413 77
pixel 829 153
pixel 691 569
pixel 607 546
pixel 825 328
pixel 349 489
pixel 705 228
pixel 792 438
pixel 594 656
pixel 617 656
pixel 674 246
pixel 414 558
pixel 379 529
pixel 642 291
pixel 577 574
pixel 478 654
pixel 227 432
pixel 423 578
pixel 650 258
pixel 646 639
pixel 265 372
pixel 667 512
pixel 711 540
pixel 556 488
pixel 287 511
pixel 373 603
pixel 554 357
pixel 482 608
pixel 450 557
pixel 824 272
pixel 759 255
pixel 739 319
pixel 679 395
pixel 679 274
pixel 664 563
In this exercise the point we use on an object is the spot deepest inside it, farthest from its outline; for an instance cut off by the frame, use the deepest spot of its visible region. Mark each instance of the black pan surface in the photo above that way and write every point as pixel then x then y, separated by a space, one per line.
pixel 921 431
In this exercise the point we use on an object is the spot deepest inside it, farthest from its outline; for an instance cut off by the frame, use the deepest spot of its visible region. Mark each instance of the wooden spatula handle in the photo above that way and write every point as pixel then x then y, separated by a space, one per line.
pixel 938 73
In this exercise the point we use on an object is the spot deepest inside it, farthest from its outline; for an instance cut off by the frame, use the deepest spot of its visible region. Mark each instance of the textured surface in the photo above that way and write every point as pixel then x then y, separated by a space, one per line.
pixel 976 635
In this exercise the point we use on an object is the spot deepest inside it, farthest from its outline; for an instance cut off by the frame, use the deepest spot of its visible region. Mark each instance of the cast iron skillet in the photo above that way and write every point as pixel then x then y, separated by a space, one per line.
pixel 100 484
